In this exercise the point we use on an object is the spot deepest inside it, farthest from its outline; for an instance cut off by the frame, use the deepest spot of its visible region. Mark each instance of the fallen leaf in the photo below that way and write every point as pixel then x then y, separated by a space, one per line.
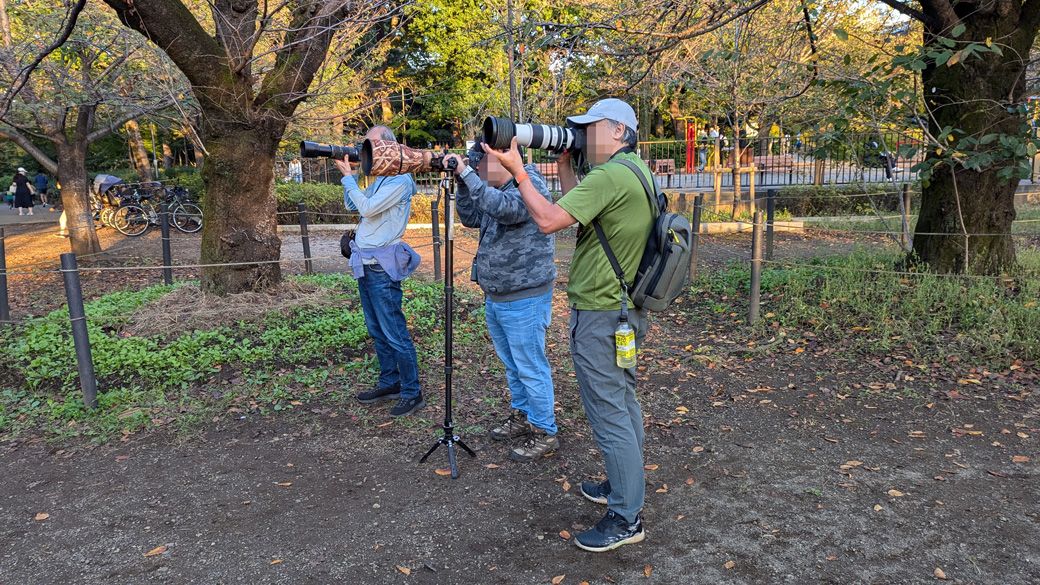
pixel 878 508
pixel 647 570
pixel 404 570
pixel 662 490
pixel 682 409
pixel 896 493
pixel 689 481
pixel 1022 435
pixel 729 564
pixel 41 516
pixel 558 579
pixel 441 471
pixel 491 466
pixel 939 574
pixel 1020 459
pixel 832 557
pixel 276 561
pixel 565 535
pixel 566 486
pixel 698 449
pixel 651 467
pixel 156 551
pixel 283 483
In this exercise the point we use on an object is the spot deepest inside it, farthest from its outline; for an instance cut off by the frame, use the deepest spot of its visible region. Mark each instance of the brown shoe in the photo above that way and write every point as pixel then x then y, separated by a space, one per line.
pixel 537 445
pixel 513 427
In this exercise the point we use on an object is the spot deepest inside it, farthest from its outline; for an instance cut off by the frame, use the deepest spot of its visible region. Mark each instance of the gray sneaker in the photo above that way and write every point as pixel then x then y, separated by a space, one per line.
pixel 537 445
pixel 513 427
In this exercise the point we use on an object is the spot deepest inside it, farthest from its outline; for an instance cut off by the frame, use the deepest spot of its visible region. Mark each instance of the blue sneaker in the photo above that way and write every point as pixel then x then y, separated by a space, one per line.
pixel 610 533
pixel 596 492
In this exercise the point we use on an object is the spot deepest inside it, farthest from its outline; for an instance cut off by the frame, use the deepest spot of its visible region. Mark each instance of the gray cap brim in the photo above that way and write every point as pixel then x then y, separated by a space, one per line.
pixel 585 120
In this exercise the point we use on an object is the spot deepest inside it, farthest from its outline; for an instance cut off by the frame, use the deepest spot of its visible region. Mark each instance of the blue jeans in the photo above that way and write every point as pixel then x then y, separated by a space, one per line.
pixel 381 303
pixel 518 331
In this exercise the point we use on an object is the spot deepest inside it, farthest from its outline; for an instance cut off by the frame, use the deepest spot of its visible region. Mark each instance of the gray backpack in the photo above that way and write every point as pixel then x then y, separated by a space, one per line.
pixel 665 267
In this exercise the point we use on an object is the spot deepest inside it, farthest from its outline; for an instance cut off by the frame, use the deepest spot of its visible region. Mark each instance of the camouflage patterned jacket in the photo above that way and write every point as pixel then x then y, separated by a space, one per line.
pixel 514 259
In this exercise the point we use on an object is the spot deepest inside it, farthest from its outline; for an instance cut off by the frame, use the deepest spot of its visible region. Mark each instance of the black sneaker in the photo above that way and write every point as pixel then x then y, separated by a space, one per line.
pixel 596 492
pixel 378 394
pixel 406 406
pixel 610 533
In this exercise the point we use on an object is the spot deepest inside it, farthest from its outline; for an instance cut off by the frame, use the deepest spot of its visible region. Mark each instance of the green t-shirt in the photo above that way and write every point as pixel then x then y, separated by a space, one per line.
pixel 612 194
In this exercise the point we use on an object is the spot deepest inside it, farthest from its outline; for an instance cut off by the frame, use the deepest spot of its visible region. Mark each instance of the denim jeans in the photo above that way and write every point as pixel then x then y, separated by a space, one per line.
pixel 518 331
pixel 381 303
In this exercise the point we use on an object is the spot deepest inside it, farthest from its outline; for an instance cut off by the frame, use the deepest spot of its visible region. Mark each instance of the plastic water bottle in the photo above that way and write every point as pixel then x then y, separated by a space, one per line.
pixel 625 345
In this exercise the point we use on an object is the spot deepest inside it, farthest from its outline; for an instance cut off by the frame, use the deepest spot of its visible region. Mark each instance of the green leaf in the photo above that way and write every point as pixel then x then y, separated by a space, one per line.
pixel 958 30
pixel 841 34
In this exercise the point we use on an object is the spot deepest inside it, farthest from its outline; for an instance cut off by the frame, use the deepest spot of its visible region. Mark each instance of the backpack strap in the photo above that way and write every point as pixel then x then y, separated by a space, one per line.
pixel 618 271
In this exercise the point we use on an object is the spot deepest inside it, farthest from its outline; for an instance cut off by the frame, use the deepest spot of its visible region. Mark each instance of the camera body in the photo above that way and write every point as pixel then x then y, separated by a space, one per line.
pixel 335 151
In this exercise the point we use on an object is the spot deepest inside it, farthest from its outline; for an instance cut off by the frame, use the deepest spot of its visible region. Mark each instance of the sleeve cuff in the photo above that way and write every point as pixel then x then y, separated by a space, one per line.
pixel 566 206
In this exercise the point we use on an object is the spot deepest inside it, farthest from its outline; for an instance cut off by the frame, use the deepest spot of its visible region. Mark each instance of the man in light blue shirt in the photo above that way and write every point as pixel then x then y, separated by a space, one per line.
pixel 380 260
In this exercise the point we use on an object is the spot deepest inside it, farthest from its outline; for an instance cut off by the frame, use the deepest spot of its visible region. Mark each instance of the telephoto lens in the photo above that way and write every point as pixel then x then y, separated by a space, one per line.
pixel 317 149
pixel 499 132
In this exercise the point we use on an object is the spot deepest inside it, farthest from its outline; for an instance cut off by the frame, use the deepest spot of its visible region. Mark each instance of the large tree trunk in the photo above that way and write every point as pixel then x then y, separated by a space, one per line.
pixel 72 176
pixel 239 208
pixel 974 97
pixel 138 153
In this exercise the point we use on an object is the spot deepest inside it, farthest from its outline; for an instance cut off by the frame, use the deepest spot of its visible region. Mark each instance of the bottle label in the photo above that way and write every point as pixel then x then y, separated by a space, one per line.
pixel 625 342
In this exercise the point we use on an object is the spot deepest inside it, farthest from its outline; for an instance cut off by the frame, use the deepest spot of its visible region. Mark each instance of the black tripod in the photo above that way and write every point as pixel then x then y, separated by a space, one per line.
pixel 450 439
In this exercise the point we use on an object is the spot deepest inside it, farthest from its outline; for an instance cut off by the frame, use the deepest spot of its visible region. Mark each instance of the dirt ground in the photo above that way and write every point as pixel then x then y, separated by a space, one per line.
pixel 804 464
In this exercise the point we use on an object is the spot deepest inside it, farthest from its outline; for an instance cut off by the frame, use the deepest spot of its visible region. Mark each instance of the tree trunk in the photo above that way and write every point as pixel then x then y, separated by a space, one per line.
pixel 974 97
pixel 72 176
pixel 138 153
pixel 239 208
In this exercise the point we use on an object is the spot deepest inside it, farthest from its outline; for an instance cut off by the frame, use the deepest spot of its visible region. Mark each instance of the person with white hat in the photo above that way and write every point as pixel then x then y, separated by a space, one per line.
pixel 610 198
pixel 23 192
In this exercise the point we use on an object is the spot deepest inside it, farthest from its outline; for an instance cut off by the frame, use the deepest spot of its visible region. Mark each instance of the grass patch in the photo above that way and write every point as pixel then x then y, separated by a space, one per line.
pixel 270 360
pixel 978 319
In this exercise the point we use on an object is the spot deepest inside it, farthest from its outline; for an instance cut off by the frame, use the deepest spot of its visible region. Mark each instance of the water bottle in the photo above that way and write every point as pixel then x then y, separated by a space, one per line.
pixel 625 345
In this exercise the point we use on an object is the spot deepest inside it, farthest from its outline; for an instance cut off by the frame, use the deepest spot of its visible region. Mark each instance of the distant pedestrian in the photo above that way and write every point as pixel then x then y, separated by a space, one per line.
pixel 23 192
pixel 296 171
pixel 41 182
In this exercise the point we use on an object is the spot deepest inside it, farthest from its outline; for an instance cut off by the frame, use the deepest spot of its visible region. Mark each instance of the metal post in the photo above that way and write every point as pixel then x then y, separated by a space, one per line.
pixel 756 268
pixel 305 237
pixel 167 256
pixel 682 202
pixel 5 307
pixel 904 211
pixel 770 217
pixel 436 239
pixel 695 237
pixel 84 361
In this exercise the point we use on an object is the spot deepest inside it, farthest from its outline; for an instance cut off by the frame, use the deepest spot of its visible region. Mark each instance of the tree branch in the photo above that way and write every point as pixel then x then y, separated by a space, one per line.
pixel 29 147
pixel 118 122
pixel 173 28
pixel 903 8
pixel 942 14
pixel 23 75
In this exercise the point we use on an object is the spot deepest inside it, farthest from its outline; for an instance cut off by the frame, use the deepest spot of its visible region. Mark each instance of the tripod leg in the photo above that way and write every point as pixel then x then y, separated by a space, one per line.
pixel 430 452
pixel 464 447
pixel 452 463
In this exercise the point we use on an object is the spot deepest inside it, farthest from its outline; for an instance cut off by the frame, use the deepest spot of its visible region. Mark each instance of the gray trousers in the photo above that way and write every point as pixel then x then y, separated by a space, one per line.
pixel 608 394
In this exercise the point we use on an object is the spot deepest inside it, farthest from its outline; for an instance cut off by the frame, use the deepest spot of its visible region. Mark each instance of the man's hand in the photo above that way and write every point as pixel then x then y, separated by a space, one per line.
pixel 460 163
pixel 344 167
pixel 510 160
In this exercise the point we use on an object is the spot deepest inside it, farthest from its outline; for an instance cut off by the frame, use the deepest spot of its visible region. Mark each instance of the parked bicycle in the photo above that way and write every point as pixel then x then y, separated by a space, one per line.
pixel 139 207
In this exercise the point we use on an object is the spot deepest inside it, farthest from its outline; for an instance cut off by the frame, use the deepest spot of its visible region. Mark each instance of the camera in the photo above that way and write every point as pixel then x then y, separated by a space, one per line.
pixel 336 151
pixel 499 132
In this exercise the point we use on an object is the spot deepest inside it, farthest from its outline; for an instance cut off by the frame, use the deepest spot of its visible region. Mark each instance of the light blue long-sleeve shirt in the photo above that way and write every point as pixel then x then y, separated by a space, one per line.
pixel 384 206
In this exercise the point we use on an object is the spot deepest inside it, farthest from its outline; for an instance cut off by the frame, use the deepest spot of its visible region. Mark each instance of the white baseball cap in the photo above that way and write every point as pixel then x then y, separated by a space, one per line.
pixel 22 170
pixel 610 108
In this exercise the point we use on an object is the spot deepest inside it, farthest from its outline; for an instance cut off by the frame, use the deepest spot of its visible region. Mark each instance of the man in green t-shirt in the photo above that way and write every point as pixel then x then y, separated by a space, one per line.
pixel 612 196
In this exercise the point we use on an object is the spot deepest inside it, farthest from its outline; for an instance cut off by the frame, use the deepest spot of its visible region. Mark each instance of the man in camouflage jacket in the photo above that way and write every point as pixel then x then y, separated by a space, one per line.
pixel 515 269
